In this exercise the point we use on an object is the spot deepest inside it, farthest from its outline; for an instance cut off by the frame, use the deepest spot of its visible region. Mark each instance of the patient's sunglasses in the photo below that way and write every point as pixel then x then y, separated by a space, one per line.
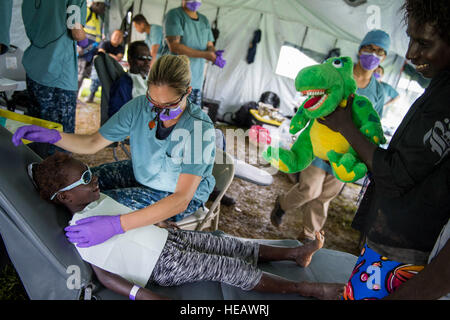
pixel 148 58
pixel 86 178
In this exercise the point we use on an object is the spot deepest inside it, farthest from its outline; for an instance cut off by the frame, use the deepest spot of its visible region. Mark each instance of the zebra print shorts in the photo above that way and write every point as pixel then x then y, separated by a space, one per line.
pixel 191 256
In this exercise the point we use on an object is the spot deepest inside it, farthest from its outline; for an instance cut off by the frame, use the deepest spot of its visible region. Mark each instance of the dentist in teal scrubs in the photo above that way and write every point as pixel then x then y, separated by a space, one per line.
pixel 172 145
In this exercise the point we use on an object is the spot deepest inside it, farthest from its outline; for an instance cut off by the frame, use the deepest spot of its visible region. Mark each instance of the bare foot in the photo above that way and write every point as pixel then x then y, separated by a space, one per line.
pixel 305 252
pixel 326 291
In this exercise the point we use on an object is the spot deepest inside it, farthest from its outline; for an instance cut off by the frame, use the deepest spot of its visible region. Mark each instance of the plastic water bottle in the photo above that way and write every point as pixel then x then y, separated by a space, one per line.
pixel 286 139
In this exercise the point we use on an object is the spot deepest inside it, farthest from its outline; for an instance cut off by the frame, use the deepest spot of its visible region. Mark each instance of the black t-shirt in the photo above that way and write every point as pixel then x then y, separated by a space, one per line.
pixel 408 202
pixel 161 132
pixel 109 48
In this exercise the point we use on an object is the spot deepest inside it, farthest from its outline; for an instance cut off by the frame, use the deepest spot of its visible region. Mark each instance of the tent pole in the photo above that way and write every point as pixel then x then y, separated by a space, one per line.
pixel 165 8
pixel 304 38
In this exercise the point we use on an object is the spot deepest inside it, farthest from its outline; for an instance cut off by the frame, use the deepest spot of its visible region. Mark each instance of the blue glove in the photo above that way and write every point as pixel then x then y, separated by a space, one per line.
pixel 94 230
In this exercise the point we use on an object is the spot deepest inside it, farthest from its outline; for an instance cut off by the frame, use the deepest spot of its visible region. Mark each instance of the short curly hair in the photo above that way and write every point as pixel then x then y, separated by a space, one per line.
pixel 434 12
pixel 50 175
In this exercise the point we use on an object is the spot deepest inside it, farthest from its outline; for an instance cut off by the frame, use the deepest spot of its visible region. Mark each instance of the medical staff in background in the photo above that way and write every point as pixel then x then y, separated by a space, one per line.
pixel 390 94
pixel 50 61
pixel 153 35
pixel 88 48
pixel 188 32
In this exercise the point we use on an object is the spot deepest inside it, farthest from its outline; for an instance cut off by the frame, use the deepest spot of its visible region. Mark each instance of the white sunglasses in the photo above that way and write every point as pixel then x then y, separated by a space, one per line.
pixel 86 178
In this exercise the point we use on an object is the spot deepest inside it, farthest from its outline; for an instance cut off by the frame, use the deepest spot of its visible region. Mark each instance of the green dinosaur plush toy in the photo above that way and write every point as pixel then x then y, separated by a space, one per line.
pixel 328 85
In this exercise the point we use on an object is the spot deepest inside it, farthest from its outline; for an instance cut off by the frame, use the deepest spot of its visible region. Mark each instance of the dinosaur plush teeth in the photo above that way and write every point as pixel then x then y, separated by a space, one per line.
pixel 313 92
pixel 315 102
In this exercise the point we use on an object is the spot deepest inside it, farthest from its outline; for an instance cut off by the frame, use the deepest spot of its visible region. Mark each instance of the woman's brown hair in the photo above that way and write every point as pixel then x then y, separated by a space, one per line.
pixel 173 71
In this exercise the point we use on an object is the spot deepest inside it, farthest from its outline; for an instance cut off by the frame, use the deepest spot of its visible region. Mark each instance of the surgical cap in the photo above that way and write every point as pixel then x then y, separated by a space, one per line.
pixel 378 38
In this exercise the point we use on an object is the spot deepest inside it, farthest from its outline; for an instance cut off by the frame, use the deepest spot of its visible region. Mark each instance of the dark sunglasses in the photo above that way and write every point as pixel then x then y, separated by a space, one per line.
pixel 146 58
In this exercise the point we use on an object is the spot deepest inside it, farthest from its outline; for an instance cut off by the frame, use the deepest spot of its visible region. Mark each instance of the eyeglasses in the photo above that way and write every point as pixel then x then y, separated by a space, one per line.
pixel 167 106
pixel 369 48
pixel 148 58
pixel 86 178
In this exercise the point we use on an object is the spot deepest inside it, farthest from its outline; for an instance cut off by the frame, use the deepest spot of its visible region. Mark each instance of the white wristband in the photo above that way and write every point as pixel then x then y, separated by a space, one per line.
pixel 134 292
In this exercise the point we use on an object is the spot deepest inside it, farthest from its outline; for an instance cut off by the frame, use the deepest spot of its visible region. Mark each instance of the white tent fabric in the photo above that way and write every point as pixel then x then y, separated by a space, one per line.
pixel 17 30
pixel 330 23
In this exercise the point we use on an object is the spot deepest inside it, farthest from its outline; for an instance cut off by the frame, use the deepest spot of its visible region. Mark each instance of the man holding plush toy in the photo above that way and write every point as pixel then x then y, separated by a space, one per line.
pixel 317 185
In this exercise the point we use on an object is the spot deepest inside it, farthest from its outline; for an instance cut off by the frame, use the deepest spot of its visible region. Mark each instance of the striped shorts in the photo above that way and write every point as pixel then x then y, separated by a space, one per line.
pixel 191 256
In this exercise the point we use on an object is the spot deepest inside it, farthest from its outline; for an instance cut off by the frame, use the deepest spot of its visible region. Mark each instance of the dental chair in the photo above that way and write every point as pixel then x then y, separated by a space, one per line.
pixel 50 267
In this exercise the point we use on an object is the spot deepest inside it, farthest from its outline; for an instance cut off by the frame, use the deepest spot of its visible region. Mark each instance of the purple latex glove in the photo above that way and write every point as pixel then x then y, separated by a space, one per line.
pixel 220 62
pixel 220 53
pixel 35 133
pixel 93 230
pixel 83 43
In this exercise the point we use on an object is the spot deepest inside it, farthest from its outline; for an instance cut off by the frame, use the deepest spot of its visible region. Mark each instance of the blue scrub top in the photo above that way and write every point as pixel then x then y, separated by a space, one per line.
pixel 155 37
pixel 51 58
pixel 190 148
pixel 375 93
pixel 389 92
pixel 194 34
pixel 5 21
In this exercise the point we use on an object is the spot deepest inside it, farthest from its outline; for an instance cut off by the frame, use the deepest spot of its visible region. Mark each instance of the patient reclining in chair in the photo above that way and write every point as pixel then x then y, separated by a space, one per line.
pixel 167 257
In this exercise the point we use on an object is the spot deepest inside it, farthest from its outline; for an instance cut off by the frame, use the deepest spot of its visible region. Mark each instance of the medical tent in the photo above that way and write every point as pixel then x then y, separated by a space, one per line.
pixel 313 26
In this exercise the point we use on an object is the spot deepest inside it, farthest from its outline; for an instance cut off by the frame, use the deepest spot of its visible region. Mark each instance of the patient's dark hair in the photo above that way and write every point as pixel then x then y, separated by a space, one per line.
pixel 434 12
pixel 50 176
pixel 133 49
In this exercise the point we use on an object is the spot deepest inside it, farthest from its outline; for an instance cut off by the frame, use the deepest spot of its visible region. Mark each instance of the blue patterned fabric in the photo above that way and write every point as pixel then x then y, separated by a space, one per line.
pixel 196 97
pixel 375 276
pixel 117 180
pixel 53 104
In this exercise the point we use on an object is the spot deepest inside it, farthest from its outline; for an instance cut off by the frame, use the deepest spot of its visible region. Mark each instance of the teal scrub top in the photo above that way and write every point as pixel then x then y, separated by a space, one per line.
pixel 194 34
pixel 389 92
pixel 374 92
pixel 155 37
pixel 190 148
pixel 51 58
pixel 5 21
